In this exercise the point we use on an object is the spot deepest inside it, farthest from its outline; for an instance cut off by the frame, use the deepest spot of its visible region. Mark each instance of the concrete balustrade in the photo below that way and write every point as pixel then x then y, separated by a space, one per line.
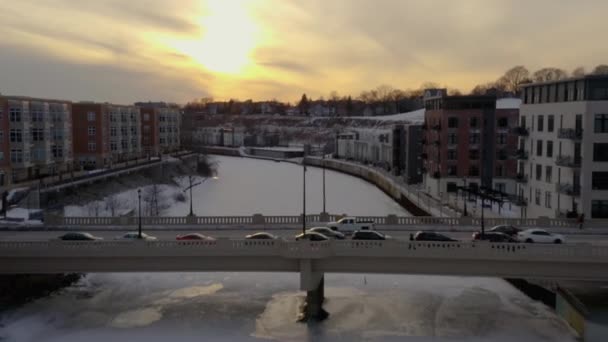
pixel 292 221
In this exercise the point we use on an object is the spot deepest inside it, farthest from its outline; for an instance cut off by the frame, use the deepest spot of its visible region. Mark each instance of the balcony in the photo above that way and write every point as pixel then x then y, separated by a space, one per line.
pixel 521 178
pixel 568 161
pixel 521 154
pixel 522 131
pixel 570 133
pixel 568 189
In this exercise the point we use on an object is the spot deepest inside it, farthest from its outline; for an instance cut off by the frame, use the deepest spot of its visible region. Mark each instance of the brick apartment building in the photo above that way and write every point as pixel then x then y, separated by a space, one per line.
pixel 468 140
pixel 35 138
pixel 105 134
pixel 160 127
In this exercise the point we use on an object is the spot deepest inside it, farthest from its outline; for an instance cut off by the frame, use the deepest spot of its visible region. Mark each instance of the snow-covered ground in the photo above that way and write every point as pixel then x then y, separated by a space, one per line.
pixel 248 186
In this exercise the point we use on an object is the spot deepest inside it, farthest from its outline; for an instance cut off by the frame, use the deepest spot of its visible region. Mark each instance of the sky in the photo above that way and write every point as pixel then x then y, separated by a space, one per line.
pixel 179 50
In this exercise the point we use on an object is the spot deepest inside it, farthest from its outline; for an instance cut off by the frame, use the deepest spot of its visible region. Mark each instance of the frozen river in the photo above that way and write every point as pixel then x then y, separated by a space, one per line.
pixel 261 306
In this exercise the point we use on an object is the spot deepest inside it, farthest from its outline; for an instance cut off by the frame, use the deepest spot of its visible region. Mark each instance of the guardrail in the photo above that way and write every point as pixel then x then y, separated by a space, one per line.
pixel 259 219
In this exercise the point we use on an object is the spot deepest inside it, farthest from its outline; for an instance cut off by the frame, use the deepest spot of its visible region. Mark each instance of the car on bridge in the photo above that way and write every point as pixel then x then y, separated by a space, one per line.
pixel 351 224
pixel 369 235
pixel 539 236
pixel 79 236
pixel 194 236
pixel 311 236
pixel 493 237
pixel 135 236
pixel 327 232
pixel 431 236
pixel 261 236
pixel 506 229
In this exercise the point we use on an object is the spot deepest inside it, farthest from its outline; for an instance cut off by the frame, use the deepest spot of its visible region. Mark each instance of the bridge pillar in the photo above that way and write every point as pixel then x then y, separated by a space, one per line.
pixel 313 283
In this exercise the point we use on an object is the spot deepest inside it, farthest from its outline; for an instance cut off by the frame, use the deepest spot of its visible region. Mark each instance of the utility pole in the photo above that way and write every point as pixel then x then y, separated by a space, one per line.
pixel 464 197
pixel 139 219
pixel 304 197
pixel 324 198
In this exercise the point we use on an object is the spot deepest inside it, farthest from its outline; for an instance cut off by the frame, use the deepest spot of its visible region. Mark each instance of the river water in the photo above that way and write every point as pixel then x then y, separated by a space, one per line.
pixel 261 306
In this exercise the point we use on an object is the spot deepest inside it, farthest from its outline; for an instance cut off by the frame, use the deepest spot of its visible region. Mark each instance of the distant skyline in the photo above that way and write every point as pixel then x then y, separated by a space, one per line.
pixel 126 51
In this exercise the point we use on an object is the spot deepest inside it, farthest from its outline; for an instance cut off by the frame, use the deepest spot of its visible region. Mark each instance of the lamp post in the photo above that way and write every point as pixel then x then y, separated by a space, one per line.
pixel 324 182
pixel 464 197
pixel 139 212
pixel 304 197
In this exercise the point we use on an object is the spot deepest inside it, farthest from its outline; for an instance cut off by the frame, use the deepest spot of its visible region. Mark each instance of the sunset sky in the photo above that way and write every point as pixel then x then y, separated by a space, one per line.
pixel 177 50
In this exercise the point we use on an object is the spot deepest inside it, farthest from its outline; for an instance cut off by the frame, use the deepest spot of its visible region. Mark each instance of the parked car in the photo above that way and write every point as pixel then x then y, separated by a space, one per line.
pixel 327 232
pixel 493 237
pixel 135 236
pixel 194 236
pixel 506 229
pixel 431 236
pixel 261 236
pixel 79 236
pixel 539 236
pixel 350 224
pixel 310 236
pixel 369 235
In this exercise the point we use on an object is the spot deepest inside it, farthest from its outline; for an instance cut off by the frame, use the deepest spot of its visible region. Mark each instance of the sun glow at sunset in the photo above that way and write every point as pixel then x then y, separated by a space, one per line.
pixel 227 40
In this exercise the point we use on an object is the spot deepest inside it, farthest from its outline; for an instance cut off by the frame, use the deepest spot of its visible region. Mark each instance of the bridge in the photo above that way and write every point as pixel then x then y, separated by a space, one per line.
pixel 311 259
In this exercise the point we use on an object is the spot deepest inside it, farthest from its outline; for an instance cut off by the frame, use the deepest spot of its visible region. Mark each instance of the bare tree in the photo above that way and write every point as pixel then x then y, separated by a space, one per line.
pixel 549 74
pixel 579 72
pixel 514 78
pixel 114 204
pixel 601 69
pixel 94 208
pixel 154 202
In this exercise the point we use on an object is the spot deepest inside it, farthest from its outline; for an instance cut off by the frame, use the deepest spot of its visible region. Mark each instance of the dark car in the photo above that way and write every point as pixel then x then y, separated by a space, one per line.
pixel 261 236
pixel 311 236
pixel 79 236
pixel 194 236
pixel 493 237
pixel 506 229
pixel 431 236
pixel 369 235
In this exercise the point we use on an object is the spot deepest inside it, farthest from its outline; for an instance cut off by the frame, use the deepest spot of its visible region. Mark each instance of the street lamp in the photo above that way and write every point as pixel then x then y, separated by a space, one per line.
pixel 139 212
pixel 324 182
pixel 192 185
pixel 464 197
pixel 304 197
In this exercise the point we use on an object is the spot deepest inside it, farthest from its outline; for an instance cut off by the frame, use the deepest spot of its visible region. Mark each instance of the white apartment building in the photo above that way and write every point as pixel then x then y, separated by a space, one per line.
pixel 563 148
pixel 125 132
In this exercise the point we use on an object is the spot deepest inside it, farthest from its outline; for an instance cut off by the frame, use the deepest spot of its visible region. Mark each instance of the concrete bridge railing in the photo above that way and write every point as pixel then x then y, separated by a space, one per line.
pixel 320 219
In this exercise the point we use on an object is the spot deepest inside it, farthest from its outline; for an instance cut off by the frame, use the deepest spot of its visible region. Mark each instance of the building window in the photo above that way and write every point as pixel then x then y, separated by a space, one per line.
pixel 503 122
pixel 537 197
pixel 539 148
pixel 539 172
pixel 500 171
pixel 547 199
pixel 550 123
pixel 474 138
pixel 146 117
pixel 600 152
pixel 452 139
pixel 57 151
pixel 501 154
pixel 452 170
pixel 549 148
pixel 541 121
pixel 474 171
pixel 124 145
pixel 1 136
pixel 146 128
pixel 473 154
pixel 91 116
pixel 16 135
pixel 451 187
pixel 548 173
pixel 15 114
pixel 601 123
pixel 599 209
pixel 92 147
pixel 452 155
pixel 92 130
pixel 112 131
pixel 16 156
pixel 501 139
pixel 113 146
pixel 452 122
pixel 474 122
pixel 37 134
pixel 599 180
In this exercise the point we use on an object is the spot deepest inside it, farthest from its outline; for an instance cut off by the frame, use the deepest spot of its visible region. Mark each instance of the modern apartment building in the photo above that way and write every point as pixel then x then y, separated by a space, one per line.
pixel 396 148
pixel 105 134
pixel 35 138
pixel 563 145
pixel 468 142
pixel 161 124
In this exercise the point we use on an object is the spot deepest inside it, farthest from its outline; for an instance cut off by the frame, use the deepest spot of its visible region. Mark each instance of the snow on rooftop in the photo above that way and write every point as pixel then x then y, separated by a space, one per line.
pixel 416 116
pixel 508 103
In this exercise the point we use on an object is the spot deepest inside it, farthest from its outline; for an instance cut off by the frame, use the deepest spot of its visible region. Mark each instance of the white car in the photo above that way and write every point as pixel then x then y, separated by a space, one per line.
pixel 539 236
pixel 135 236
pixel 350 225
pixel 327 232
